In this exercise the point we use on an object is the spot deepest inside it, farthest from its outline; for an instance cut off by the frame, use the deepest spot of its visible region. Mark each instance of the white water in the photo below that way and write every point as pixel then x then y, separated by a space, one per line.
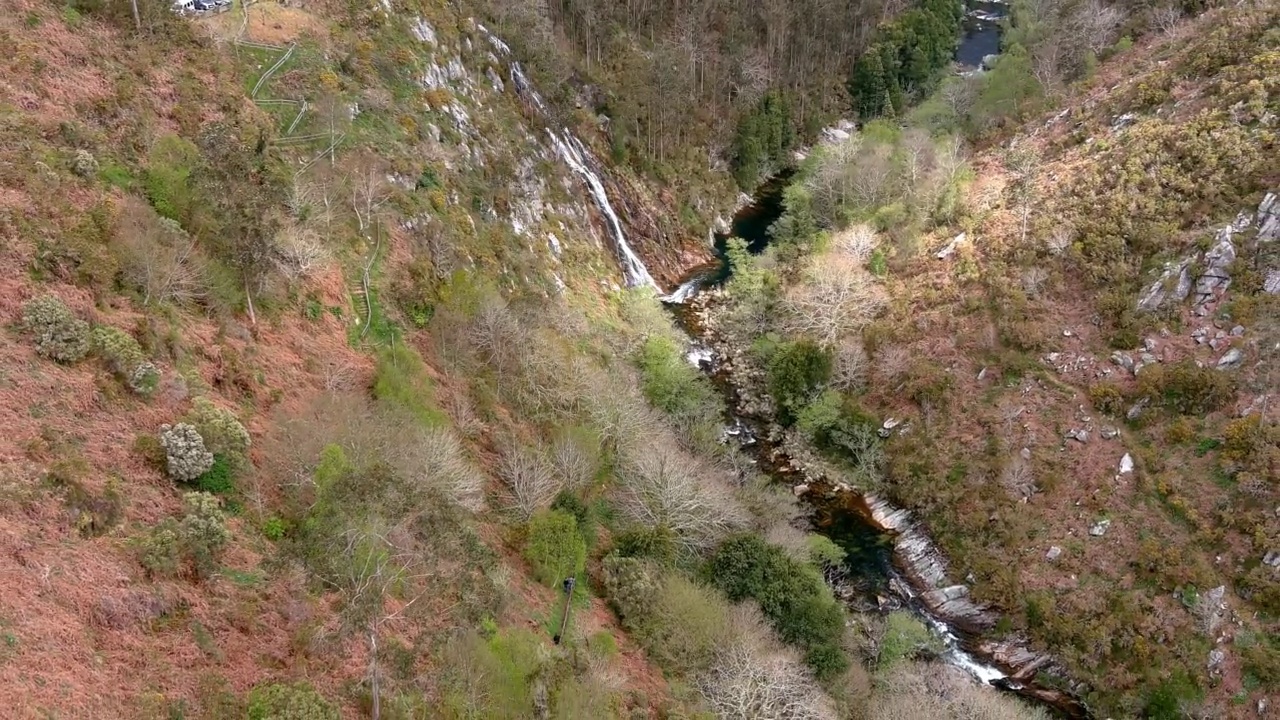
pixel 580 160
pixel 576 155
pixel 684 293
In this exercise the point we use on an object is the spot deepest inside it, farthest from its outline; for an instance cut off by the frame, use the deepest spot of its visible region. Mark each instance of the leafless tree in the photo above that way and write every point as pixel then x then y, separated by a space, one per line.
pixel 1017 478
pixel 850 364
pixel 1098 23
pixel 662 486
pixel 1024 165
pixel 299 252
pixel 1166 17
pixel 159 258
pixel 919 691
pixel 369 191
pixel 836 296
pixel 857 242
pixel 754 678
pixel 375 568
pixel 1033 279
pixel 530 485
pixel 575 460
pixel 434 458
pixel 892 363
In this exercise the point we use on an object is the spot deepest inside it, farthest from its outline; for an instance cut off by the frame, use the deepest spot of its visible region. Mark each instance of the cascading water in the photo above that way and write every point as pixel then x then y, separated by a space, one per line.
pixel 579 159
pixel 575 154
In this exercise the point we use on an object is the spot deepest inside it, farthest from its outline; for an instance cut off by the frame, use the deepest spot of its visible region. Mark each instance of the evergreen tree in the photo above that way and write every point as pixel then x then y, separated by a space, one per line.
pixel 867 86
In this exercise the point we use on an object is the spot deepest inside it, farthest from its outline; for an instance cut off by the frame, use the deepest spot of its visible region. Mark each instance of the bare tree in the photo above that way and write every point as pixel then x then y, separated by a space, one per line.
pixel 434 458
pixel 299 252
pixel 857 242
pixel 375 569
pixel 754 678
pixel 575 460
pixel 1024 165
pixel 369 191
pixel 850 364
pixel 663 487
pixel 836 296
pixel 919 691
pixel 1166 17
pixel 530 484
pixel 159 258
pixel 1033 279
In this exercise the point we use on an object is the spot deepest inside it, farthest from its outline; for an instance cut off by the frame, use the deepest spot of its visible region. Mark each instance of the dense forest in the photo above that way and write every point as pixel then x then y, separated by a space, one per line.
pixel 680 82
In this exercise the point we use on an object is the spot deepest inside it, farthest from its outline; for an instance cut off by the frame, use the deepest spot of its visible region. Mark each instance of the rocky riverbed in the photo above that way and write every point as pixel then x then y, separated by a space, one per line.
pixel 915 573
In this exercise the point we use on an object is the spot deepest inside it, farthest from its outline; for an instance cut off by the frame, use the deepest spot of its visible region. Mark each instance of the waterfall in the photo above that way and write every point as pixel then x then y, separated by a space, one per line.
pixel 575 154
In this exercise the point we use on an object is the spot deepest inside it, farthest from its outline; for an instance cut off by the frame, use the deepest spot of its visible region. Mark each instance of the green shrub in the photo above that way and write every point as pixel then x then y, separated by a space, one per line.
pixel 823 552
pixel 838 427
pixel 60 335
pixel 219 479
pixel 797 371
pixel 492 678
pixel 555 548
pixel 274 529
pixel 687 624
pixel 222 432
pixel 151 451
pixel 167 178
pixel 673 385
pixel 203 530
pixel 652 543
pixel 791 594
pixel 1166 700
pixel 300 701
pixel 125 359
pixel 401 381
pixel 632 585
pixel 1187 388
pixel 904 638
pixel 160 551
pixel 1107 397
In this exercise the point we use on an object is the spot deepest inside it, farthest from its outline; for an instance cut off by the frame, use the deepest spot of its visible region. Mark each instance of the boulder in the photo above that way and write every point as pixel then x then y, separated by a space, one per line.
pixel 1100 528
pixel 1079 435
pixel 1135 411
pixel 1231 359
pixel 950 249
pixel 1216 658
pixel 1268 220
pixel 1110 433
pixel 1123 359
pixel 1126 464
pixel 1054 553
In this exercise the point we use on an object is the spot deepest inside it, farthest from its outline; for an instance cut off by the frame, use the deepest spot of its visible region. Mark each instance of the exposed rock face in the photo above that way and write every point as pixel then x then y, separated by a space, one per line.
pixel 1216 277
pixel 1176 283
pixel 925 566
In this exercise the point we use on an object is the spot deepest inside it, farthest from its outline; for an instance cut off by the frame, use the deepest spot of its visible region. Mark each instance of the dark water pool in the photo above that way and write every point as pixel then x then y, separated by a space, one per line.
pixel 981 32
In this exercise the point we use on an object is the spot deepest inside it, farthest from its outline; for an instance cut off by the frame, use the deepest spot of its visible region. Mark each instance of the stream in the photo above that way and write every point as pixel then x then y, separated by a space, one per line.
pixel 890 562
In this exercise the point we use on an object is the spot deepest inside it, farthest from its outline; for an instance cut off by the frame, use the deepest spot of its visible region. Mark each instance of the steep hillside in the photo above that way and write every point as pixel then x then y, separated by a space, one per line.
pixel 321 377
pixel 1069 338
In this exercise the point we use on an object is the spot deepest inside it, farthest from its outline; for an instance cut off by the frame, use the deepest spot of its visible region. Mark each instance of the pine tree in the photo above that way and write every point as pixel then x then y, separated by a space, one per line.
pixel 867 85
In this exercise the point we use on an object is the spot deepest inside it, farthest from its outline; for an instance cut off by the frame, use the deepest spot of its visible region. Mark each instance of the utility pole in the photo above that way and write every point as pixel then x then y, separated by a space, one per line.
pixel 568 604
